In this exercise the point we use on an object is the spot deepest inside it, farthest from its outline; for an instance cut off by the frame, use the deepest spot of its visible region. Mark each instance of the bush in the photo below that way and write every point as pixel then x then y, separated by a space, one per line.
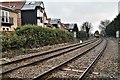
pixel 82 35
pixel 31 36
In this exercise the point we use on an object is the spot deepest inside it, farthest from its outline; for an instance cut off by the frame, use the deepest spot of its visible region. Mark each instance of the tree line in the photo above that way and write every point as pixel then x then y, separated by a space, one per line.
pixel 113 27
pixel 107 28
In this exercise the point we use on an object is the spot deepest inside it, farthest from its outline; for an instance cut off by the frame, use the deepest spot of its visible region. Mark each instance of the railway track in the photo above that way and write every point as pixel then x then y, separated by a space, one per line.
pixel 45 52
pixel 81 67
pixel 85 72
pixel 92 64
pixel 23 62
pixel 40 69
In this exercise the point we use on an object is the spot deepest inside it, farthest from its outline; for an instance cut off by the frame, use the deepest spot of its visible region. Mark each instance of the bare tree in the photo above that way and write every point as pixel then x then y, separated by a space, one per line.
pixel 86 26
pixel 103 24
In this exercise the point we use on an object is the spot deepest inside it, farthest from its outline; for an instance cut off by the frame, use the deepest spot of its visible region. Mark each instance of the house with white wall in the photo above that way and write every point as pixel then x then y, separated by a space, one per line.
pixel 8 18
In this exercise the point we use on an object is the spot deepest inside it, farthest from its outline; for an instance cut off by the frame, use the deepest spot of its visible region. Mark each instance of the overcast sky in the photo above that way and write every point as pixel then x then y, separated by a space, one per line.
pixel 79 11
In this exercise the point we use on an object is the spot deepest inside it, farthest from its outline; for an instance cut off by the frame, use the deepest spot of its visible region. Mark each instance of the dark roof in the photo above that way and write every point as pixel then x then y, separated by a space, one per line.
pixel 7 8
pixel 31 5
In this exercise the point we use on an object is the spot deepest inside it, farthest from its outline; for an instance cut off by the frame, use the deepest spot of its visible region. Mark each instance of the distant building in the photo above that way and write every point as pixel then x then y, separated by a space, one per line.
pixel 33 13
pixel 55 22
pixel 8 18
pixel 71 27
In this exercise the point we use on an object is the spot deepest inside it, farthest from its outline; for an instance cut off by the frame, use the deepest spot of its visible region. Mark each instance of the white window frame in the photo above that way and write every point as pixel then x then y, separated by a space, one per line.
pixel 6 17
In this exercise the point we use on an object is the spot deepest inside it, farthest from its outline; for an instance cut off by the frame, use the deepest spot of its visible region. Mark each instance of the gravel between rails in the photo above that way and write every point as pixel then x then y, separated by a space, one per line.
pixel 34 70
pixel 108 66
pixel 79 64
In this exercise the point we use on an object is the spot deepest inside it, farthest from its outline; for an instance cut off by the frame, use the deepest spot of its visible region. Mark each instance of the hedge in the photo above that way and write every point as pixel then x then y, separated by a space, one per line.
pixel 32 36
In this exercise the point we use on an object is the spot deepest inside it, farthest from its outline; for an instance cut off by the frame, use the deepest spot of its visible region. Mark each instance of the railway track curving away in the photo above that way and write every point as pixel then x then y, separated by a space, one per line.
pixel 80 68
pixel 81 74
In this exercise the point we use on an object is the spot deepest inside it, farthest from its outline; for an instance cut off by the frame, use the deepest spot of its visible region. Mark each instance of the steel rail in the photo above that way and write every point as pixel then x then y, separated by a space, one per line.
pixel 84 74
pixel 64 63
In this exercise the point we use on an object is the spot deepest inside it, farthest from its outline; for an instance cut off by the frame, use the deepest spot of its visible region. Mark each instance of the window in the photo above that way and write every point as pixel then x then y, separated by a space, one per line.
pixel 41 19
pixel 38 22
pixel 2 16
pixel 6 29
pixel 38 12
pixel 3 29
pixel 5 16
